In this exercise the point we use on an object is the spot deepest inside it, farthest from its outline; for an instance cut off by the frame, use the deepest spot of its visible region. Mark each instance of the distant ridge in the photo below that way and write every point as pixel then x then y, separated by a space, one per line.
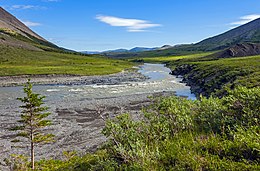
pixel 247 33
pixel 119 51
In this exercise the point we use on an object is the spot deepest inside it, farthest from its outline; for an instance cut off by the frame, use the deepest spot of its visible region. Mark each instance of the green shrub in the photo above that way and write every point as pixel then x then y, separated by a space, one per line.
pixel 209 115
pixel 179 134
pixel 243 105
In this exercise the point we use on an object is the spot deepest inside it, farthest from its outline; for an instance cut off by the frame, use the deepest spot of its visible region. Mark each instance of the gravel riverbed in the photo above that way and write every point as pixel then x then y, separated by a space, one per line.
pixel 124 76
pixel 77 125
pixel 79 105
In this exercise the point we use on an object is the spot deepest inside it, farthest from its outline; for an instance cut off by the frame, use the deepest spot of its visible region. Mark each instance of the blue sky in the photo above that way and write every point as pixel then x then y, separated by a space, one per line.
pixel 110 24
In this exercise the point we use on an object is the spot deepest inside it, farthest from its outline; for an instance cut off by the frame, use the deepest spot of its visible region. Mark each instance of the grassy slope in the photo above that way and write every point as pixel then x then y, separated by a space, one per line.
pixel 248 68
pixel 210 76
pixel 162 59
pixel 14 61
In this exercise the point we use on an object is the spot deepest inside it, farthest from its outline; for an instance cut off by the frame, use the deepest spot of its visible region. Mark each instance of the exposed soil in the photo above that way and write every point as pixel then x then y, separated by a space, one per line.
pixel 240 50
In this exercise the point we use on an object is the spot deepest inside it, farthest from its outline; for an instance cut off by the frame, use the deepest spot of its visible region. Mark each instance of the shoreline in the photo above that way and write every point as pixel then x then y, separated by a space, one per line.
pixel 78 118
pixel 53 79
pixel 77 125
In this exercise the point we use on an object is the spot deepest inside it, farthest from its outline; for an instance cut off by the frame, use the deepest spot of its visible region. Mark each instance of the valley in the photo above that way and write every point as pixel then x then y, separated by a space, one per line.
pixel 207 74
pixel 176 107
pixel 78 107
pixel 15 61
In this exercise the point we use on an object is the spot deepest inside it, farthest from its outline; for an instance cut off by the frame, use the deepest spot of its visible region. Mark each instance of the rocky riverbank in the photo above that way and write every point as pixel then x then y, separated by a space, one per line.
pixel 79 106
pixel 77 125
pixel 186 71
pixel 112 79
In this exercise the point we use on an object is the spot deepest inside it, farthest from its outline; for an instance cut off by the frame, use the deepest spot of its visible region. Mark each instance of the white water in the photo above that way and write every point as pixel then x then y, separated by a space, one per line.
pixel 73 122
pixel 159 81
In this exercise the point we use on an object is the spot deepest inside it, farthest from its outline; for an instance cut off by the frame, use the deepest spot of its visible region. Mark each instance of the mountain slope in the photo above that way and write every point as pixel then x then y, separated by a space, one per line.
pixel 8 21
pixel 238 50
pixel 249 32
pixel 16 34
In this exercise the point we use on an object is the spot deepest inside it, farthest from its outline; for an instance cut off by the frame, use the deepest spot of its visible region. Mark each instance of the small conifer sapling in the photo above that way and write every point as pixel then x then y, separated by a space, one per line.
pixel 33 120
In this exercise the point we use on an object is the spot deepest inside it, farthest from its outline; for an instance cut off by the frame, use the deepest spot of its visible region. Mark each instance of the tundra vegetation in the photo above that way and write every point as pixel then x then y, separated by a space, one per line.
pixel 178 134
pixel 218 131
pixel 207 74
pixel 15 61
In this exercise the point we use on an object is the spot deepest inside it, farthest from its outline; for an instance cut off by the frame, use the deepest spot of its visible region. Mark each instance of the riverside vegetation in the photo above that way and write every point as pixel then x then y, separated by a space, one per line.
pixel 217 132
pixel 207 74
pixel 176 134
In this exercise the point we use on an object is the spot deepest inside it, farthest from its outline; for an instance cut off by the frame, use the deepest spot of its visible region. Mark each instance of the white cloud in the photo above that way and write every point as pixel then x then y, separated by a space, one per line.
pixel 246 19
pixel 132 25
pixel 31 24
pixel 25 7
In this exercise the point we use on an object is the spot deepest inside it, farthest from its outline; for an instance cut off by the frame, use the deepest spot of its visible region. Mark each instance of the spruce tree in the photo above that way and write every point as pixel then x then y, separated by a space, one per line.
pixel 33 120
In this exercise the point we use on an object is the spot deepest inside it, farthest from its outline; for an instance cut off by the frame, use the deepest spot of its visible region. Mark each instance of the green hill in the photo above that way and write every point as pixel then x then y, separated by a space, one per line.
pixel 249 32
pixel 24 52
pixel 17 61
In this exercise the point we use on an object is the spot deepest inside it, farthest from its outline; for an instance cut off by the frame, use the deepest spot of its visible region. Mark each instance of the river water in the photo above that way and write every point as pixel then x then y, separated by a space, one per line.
pixel 159 80
pixel 76 123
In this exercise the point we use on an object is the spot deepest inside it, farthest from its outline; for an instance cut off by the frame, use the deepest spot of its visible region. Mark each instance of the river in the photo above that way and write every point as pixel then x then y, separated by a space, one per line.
pixel 76 124
pixel 159 80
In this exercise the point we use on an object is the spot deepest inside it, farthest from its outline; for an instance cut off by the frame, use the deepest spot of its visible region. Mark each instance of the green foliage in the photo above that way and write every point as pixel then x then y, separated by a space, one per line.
pixel 99 161
pixel 208 76
pixel 240 103
pixel 33 120
pixel 179 134
pixel 171 58
pixel 18 163
pixel 33 117
pixel 169 116
pixel 209 115
pixel 240 108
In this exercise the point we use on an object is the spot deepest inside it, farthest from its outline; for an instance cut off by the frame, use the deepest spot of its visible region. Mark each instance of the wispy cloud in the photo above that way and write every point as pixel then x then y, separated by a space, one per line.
pixel 245 19
pixel 31 24
pixel 25 7
pixel 132 25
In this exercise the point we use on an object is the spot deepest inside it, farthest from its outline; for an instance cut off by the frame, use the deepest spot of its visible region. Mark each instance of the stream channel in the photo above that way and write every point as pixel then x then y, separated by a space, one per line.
pixel 76 122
